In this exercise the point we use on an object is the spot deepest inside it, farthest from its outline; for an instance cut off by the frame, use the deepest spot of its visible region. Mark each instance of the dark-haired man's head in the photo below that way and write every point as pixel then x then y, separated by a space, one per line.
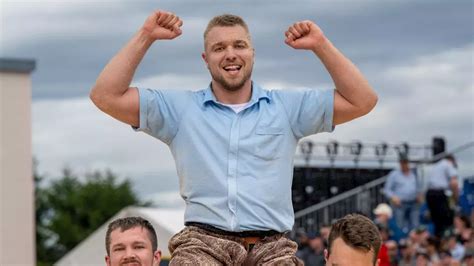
pixel 404 163
pixel 324 230
pixel 131 240
pixel 451 158
pixel 354 240
pixel 316 242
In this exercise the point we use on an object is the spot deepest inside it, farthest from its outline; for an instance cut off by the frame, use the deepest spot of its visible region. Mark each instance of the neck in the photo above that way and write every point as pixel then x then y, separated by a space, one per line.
pixel 241 95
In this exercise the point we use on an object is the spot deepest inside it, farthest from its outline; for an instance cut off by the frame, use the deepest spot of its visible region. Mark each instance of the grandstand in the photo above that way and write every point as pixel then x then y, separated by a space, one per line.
pixel 334 179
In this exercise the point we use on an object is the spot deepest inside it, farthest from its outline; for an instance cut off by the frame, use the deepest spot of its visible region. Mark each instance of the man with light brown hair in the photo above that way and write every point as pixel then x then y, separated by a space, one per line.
pixel 131 241
pixel 354 241
pixel 233 142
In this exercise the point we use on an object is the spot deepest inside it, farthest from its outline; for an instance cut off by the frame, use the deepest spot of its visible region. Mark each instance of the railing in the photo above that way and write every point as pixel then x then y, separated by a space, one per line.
pixel 362 199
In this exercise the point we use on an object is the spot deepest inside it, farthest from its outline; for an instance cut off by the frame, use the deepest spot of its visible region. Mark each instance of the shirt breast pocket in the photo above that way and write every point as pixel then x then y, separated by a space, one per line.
pixel 268 142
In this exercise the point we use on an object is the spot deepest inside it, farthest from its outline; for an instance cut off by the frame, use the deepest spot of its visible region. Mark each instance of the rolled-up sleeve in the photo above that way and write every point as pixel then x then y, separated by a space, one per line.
pixel 310 111
pixel 160 112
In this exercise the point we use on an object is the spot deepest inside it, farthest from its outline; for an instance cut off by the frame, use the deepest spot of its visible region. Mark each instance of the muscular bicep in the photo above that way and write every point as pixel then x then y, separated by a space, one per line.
pixel 125 107
pixel 344 111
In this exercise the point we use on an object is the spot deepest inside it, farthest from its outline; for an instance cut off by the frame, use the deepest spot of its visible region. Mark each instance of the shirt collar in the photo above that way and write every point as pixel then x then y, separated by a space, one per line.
pixel 257 94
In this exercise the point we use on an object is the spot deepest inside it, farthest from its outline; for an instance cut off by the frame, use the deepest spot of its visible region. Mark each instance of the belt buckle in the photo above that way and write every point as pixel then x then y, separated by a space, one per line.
pixel 250 242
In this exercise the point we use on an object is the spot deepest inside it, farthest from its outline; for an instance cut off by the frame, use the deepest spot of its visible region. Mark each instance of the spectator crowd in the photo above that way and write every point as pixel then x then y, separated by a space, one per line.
pixel 417 227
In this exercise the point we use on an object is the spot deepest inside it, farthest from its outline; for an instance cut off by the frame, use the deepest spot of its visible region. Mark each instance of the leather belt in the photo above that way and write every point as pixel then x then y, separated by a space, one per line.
pixel 243 234
pixel 250 238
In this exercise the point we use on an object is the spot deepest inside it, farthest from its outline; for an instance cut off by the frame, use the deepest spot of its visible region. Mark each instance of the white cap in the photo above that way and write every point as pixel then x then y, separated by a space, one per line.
pixel 383 208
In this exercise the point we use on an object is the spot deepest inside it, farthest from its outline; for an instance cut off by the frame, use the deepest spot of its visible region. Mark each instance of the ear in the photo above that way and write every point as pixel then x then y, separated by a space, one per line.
pixel 107 260
pixel 326 254
pixel 378 262
pixel 157 257
pixel 203 55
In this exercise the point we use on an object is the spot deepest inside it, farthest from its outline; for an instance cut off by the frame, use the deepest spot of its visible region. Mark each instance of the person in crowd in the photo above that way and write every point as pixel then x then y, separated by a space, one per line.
pixel 407 253
pixel 432 248
pixel 468 259
pixel 301 238
pixel 384 217
pixel 446 259
pixel 462 228
pixel 418 237
pixel 404 192
pixel 313 253
pixel 392 250
pixel 455 248
pixel 422 258
pixel 442 185
pixel 383 256
pixel 131 241
pixel 324 230
pixel 354 240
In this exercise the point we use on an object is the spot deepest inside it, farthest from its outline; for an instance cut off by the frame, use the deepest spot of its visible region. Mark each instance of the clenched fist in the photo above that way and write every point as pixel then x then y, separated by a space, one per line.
pixel 304 35
pixel 163 25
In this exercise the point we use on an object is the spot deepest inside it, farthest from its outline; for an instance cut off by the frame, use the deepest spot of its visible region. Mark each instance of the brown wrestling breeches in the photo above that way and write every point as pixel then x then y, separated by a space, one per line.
pixel 197 246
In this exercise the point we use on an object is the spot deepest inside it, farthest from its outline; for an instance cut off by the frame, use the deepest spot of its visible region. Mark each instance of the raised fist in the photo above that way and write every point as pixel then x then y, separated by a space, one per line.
pixel 304 35
pixel 163 25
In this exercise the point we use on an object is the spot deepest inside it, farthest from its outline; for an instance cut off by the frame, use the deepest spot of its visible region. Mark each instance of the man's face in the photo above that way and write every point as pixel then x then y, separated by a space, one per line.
pixel 344 255
pixel 324 231
pixel 317 244
pixel 229 57
pixel 405 166
pixel 132 247
pixel 392 248
pixel 406 251
pixel 421 260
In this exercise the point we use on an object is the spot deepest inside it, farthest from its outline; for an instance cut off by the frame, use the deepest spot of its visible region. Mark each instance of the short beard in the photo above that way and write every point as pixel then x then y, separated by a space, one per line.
pixel 231 87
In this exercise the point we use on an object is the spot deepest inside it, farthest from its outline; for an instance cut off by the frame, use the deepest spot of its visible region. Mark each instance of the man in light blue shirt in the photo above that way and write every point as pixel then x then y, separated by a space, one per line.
pixel 233 142
pixel 403 191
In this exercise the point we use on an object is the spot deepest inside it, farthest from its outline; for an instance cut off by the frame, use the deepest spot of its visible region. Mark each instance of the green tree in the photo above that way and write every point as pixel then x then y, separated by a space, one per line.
pixel 68 210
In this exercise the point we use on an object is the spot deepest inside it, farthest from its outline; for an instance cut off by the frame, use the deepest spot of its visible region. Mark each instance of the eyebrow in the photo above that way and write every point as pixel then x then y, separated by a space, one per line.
pixel 217 44
pixel 117 245
pixel 133 243
pixel 233 42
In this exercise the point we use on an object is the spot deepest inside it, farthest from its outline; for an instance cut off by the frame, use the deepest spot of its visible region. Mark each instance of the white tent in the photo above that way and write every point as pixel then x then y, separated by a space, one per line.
pixel 91 251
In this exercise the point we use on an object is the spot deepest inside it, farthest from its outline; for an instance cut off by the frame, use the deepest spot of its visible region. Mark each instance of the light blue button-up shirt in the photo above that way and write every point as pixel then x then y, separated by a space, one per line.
pixel 405 187
pixel 236 169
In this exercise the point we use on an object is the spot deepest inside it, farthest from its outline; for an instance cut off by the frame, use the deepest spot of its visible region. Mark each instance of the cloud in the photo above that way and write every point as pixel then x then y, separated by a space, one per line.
pixel 431 95
pixel 437 90
pixel 75 133
pixel 40 20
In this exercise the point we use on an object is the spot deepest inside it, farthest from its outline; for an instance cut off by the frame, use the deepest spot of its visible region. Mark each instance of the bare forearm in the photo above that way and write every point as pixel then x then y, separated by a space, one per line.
pixel 117 75
pixel 454 188
pixel 349 81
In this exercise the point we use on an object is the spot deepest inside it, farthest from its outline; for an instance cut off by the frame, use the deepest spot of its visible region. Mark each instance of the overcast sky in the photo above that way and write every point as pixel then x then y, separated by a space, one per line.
pixel 418 56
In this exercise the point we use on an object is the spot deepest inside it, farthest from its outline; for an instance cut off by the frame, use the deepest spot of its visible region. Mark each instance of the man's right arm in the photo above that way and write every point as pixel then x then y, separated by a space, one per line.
pixel 388 189
pixel 111 92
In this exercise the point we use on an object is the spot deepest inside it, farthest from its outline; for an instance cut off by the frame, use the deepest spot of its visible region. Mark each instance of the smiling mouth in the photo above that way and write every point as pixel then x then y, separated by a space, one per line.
pixel 131 263
pixel 232 69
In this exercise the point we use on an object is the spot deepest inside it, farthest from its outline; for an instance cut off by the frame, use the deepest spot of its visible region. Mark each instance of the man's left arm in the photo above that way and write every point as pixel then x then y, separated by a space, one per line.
pixel 353 97
pixel 452 172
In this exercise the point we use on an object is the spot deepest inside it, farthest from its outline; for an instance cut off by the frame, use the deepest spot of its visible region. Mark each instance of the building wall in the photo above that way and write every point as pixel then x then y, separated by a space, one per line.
pixel 17 226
